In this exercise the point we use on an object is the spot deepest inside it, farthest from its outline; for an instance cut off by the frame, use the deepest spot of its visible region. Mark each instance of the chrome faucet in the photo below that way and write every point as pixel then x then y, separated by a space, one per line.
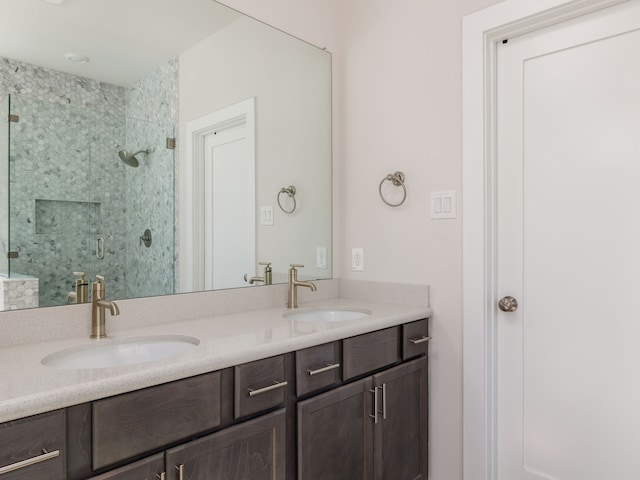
pixel 292 302
pixel 267 278
pixel 80 293
pixel 99 305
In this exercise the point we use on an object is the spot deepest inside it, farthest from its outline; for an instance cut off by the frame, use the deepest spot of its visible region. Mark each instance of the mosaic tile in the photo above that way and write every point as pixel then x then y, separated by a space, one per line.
pixel 64 158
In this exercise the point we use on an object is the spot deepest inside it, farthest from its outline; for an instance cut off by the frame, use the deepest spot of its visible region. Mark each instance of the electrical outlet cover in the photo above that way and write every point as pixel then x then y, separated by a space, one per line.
pixel 357 259
pixel 321 257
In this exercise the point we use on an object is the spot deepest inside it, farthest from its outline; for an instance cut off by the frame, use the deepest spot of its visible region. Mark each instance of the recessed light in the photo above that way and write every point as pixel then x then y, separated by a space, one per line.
pixel 74 57
pixel 54 2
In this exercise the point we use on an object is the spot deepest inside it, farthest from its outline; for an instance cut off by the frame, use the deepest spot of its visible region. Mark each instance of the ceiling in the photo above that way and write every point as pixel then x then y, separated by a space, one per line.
pixel 123 38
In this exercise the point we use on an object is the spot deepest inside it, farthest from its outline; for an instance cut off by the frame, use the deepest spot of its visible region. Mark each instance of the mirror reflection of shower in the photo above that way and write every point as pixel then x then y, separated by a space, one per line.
pixel 130 158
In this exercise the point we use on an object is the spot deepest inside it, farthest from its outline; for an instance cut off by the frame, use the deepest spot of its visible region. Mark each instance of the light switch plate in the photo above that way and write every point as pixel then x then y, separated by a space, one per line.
pixel 266 216
pixel 443 205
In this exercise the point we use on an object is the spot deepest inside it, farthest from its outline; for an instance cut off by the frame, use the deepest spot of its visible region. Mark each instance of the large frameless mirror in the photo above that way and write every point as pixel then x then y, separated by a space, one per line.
pixel 170 146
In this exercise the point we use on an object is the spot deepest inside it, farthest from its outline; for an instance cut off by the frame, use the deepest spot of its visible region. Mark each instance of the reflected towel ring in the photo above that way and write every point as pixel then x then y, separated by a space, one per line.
pixel 291 192
pixel 397 179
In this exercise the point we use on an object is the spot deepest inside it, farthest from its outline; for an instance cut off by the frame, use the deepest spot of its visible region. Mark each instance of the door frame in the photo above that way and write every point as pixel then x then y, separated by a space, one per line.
pixel 192 221
pixel 481 32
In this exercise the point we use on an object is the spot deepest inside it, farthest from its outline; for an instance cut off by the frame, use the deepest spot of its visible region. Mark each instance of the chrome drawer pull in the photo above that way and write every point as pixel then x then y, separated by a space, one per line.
pixel 375 404
pixel 253 393
pixel 384 401
pixel 180 470
pixel 161 476
pixel 422 339
pixel 29 461
pixel 323 369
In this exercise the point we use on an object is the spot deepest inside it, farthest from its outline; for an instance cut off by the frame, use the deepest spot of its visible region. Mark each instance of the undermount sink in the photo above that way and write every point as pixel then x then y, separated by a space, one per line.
pixel 116 353
pixel 327 314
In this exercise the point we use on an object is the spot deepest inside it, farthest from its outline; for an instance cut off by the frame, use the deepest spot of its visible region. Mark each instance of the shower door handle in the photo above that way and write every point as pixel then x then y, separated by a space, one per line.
pixel 100 248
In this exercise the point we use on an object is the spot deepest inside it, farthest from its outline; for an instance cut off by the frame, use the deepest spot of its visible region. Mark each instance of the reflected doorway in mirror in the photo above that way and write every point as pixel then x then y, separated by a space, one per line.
pixel 221 187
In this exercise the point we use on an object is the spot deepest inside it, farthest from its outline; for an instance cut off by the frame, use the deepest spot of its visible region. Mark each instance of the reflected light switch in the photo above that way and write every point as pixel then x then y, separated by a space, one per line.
pixel 266 216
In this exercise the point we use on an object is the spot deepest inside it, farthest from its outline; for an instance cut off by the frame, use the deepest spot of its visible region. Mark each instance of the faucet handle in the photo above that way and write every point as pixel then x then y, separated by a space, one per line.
pixel 266 265
pixel 100 279
pixel 81 280
pixel 296 265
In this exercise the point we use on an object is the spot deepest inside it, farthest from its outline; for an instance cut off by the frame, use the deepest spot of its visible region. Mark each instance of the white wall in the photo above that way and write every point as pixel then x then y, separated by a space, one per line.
pixel 290 81
pixel 398 106
pixel 402 110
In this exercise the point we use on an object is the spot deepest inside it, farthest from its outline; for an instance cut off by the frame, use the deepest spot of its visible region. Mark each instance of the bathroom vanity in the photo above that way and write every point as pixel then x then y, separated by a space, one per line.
pixel 345 399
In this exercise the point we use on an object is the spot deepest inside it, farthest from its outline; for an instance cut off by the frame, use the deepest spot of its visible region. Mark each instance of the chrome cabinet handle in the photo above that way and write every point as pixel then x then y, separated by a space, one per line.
pixel 323 369
pixel 29 461
pixel 384 401
pixel 161 476
pixel 375 404
pixel 276 385
pixel 180 470
pixel 422 339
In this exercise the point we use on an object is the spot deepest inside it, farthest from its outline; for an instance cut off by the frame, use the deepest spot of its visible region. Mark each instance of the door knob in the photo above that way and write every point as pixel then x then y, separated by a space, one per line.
pixel 508 304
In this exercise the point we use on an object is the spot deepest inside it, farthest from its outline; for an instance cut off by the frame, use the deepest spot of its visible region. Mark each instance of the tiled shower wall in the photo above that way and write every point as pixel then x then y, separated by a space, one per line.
pixel 152 112
pixel 69 188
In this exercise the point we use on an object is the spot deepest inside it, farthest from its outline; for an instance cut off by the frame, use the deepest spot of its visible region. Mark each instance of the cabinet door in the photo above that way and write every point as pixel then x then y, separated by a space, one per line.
pixel 150 468
pixel 335 434
pixel 400 436
pixel 252 450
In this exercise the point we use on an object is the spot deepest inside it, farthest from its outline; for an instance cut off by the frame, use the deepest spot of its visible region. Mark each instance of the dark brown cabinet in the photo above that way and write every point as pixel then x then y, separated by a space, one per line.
pixel 374 428
pixel 137 422
pixel 415 339
pixel 251 450
pixel 256 421
pixel 400 436
pixel 318 367
pixel 34 448
pixel 369 352
pixel 335 434
pixel 150 468
pixel 259 386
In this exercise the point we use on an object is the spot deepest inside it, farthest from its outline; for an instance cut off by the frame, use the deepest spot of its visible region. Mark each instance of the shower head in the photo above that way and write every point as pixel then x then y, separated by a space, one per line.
pixel 130 158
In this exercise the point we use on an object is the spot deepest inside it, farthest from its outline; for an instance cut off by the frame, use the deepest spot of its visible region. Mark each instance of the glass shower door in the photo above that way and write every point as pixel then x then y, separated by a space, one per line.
pixel 5 111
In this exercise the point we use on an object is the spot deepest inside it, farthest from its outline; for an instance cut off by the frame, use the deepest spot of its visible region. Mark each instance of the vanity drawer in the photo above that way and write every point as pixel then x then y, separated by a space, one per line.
pixel 259 386
pixel 34 448
pixel 369 352
pixel 133 423
pixel 318 367
pixel 415 339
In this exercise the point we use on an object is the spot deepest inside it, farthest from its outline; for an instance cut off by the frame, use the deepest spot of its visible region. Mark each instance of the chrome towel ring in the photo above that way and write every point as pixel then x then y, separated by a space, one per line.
pixel 397 179
pixel 291 192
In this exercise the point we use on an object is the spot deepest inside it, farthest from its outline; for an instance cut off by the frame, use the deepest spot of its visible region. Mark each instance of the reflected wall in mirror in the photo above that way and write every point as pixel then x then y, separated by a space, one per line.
pixel 71 196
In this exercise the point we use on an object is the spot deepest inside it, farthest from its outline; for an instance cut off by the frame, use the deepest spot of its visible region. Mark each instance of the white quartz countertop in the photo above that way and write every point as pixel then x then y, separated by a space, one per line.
pixel 28 387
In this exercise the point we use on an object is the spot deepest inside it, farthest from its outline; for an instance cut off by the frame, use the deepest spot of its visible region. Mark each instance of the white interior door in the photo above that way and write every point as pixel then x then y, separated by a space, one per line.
pixel 217 199
pixel 568 234
pixel 229 242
